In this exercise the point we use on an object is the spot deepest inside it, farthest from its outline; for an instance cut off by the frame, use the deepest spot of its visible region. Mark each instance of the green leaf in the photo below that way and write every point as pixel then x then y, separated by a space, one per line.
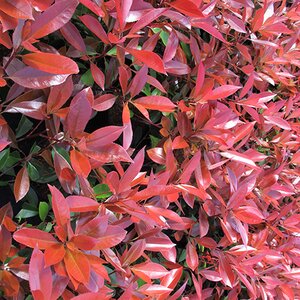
pixel 102 191
pixel 43 210
pixel 39 171
pixel 26 213
pixel 24 126
pixel 87 78
pixel 35 149
pixel 32 172
pixel 3 158
pixel 154 141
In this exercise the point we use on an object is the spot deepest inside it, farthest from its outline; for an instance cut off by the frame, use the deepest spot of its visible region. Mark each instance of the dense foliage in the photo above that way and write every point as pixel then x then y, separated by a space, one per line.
pixel 149 149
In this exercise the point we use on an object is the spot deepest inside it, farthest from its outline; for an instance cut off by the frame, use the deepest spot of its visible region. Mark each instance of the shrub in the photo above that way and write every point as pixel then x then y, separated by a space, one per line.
pixel 149 149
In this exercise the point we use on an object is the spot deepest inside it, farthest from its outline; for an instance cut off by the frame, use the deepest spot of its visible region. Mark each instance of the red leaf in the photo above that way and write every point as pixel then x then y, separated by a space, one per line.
pixel 154 289
pixel 22 184
pixel 59 94
pixel 79 113
pixel 187 7
pixel 36 79
pixel 192 259
pixel 281 123
pixel 51 63
pixel 93 7
pixel 139 81
pixel 53 18
pixel 132 171
pixel 72 35
pixel 80 163
pixel 54 254
pixel 112 237
pixel 221 92
pixel 109 153
pixel 82 204
pixel 135 252
pixel 98 75
pixel 150 59
pixel 171 47
pixel 103 136
pixel 95 27
pixel 31 237
pixel 171 279
pixel 77 266
pixel 149 270
pixel 5 241
pixel 127 133
pixel 59 206
pixel 147 19
pixel 235 23
pixel 40 276
pixel 19 9
pixel 104 102
pixel 210 29
pixel 249 214
pixel 160 103
pixel 240 158
pixel 200 79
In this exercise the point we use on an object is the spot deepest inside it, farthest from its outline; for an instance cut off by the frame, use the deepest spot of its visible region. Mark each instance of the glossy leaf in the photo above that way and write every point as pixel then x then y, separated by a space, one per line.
pixel 22 184
pixel 51 63
pixel 34 237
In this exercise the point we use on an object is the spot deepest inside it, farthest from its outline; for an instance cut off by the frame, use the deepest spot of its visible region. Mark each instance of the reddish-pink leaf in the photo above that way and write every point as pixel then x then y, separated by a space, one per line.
pixel 82 204
pixel 149 270
pixel 80 163
pixel 31 237
pixel 72 35
pixel 79 113
pixel 147 19
pixel 53 18
pixel 187 7
pixel 132 171
pixel 127 132
pixel 103 136
pixel 221 92
pixel 5 241
pixel 95 8
pixel 98 75
pixel 211 275
pixel 192 258
pixel 280 122
pixel 22 184
pixel 235 23
pixel 249 214
pixel 51 63
pixel 154 289
pixel 59 94
pixel 160 103
pixel 77 266
pixel 35 79
pixel 40 276
pixel 239 157
pixel 95 27
pixel 172 278
pixel 59 206
pixel 135 252
pixel 109 153
pixel 112 237
pixel 138 81
pixel 54 254
pixel 19 9
pixel 150 59
pixel 210 29
pixel 171 47
pixel 104 102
